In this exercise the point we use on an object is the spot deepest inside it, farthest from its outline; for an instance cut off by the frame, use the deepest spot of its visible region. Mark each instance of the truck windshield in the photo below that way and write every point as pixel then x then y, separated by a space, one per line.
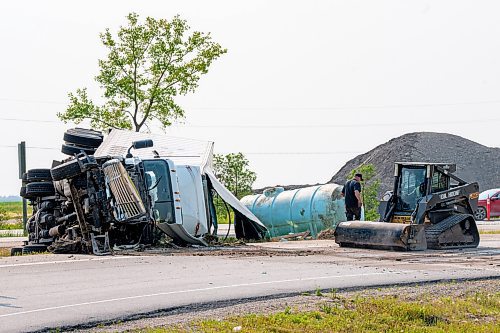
pixel 411 188
pixel 158 182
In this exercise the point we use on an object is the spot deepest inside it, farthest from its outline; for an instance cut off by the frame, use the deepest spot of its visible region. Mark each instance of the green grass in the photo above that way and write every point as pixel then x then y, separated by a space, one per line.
pixel 479 312
pixel 12 233
pixel 13 212
pixel 489 232
pixel 4 252
pixel 11 226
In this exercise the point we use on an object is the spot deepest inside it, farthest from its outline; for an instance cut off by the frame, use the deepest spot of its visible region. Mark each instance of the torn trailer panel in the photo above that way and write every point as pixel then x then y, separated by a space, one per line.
pixel 246 224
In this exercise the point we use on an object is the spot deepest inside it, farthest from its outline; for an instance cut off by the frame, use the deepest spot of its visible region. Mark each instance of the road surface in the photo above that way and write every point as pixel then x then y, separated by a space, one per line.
pixel 49 291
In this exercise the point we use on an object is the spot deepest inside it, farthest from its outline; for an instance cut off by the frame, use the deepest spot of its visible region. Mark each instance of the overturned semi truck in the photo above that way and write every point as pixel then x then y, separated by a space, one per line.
pixel 119 192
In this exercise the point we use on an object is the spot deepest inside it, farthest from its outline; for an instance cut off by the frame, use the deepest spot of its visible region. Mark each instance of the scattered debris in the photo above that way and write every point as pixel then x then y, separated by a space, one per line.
pixel 326 234
pixel 297 236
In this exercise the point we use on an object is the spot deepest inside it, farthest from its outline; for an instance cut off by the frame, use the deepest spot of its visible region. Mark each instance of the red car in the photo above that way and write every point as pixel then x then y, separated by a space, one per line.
pixel 494 195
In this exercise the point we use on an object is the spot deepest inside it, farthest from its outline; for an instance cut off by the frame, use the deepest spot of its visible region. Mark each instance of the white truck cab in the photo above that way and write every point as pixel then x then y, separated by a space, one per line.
pixel 180 183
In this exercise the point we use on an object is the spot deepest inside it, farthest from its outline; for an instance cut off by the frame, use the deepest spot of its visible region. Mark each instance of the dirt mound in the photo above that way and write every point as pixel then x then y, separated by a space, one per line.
pixel 474 161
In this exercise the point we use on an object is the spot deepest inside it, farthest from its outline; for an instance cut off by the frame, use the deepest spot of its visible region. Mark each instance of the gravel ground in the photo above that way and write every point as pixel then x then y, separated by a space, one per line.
pixel 221 310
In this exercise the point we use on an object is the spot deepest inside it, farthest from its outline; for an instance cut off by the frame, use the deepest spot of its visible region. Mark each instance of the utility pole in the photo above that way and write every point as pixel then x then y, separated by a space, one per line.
pixel 21 155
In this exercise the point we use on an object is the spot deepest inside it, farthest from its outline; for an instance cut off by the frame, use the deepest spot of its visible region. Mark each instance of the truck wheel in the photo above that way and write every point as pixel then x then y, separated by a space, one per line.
pixel 38 175
pixel 24 178
pixel 480 213
pixel 39 189
pixel 34 248
pixel 22 192
pixel 16 251
pixel 69 169
pixel 83 137
pixel 72 150
pixel 86 131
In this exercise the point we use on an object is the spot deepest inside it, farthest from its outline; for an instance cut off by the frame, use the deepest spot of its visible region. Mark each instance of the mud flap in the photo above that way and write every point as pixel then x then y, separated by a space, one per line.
pixel 381 235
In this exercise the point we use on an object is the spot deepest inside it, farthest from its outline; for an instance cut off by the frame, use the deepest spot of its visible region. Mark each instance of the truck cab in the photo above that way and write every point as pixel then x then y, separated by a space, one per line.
pixel 179 198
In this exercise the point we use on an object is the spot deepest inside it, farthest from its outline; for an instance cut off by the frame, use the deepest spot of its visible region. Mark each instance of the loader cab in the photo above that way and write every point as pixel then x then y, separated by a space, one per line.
pixel 411 187
pixel 413 181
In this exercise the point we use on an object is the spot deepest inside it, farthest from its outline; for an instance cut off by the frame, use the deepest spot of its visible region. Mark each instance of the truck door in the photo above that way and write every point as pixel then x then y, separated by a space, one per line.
pixel 158 181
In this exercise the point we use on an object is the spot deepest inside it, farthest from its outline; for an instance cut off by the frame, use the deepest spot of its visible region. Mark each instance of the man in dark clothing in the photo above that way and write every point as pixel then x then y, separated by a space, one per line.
pixel 353 200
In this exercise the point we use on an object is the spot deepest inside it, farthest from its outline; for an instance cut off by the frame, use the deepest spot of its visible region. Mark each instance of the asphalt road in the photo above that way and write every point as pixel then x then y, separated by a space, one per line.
pixel 49 291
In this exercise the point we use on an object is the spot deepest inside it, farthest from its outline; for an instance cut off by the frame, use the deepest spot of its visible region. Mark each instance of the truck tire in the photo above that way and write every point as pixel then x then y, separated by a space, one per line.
pixel 24 178
pixel 69 169
pixel 87 131
pixel 82 137
pixel 38 175
pixel 16 251
pixel 73 150
pixel 22 192
pixel 39 189
pixel 34 248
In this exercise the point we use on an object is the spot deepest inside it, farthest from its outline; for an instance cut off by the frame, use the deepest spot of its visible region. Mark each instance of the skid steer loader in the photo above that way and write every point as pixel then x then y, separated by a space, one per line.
pixel 429 208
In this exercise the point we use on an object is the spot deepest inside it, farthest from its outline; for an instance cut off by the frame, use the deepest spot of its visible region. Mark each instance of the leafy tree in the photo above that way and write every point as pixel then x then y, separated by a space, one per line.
pixel 147 66
pixel 369 190
pixel 232 171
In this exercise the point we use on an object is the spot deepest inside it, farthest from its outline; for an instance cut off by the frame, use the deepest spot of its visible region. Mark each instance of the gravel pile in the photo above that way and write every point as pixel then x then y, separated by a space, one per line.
pixel 474 161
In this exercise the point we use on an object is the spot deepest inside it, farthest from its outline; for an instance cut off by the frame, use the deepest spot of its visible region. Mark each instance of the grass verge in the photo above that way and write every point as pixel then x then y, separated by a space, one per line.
pixel 477 312
pixel 489 232
pixel 11 210
pixel 11 214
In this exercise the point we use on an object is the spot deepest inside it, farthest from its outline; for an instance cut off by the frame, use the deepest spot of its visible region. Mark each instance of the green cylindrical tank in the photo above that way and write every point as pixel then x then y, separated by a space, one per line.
pixel 313 208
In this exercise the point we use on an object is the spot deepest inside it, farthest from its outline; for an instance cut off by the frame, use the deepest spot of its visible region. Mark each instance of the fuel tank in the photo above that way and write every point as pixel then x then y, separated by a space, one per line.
pixel 313 208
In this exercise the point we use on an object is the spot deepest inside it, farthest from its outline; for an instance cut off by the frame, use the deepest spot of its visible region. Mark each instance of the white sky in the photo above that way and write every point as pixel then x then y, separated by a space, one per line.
pixel 304 87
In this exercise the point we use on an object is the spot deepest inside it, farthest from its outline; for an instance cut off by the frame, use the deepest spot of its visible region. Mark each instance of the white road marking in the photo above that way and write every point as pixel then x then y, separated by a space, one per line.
pixel 192 291
pixel 70 261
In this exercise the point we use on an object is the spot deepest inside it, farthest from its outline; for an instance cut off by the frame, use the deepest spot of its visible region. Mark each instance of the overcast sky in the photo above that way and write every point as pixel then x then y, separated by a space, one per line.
pixel 304 87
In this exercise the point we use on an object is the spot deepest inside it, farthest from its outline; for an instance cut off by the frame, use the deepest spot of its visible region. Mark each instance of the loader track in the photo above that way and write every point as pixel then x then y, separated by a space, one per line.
pixel 456 231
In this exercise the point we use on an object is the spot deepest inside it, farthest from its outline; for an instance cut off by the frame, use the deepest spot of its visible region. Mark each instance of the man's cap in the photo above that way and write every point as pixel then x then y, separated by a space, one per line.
pixel 359 175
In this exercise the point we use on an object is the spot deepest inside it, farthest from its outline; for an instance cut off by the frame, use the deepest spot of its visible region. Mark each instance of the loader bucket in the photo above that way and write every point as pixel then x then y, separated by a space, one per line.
pixel 381 235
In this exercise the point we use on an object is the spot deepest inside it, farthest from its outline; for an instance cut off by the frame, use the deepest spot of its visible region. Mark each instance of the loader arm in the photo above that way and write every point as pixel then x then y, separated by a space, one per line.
pixel 463 195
